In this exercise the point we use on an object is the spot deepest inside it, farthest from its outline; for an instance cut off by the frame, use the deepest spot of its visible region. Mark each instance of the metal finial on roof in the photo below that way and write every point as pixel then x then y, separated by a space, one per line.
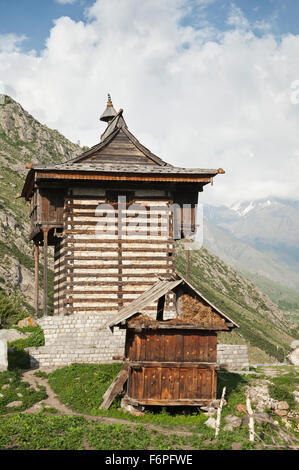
pixel 109 112
pixel 109 102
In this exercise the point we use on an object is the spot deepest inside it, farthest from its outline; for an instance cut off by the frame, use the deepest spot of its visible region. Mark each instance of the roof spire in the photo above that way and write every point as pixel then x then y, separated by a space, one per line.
pixel 109 112
pixel 109 102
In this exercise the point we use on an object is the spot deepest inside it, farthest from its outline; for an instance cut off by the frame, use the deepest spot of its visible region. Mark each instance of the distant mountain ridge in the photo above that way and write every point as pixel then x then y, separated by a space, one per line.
pixel 261 236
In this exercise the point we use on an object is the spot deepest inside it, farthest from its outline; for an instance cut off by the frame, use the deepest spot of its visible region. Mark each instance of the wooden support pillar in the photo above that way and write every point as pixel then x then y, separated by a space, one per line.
pixel 45 233
pixel 36 278
pixel 187 248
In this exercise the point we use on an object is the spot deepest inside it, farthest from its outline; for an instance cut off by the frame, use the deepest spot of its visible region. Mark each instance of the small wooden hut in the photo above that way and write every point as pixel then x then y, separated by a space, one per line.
pixel 172 362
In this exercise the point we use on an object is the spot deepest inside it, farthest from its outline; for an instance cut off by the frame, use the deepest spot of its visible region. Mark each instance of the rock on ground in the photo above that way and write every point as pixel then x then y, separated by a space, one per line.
pixel 14 403
pixel 3 355
pixel 12 335
pixel 211 422
pixel 294 357
pixel 232 422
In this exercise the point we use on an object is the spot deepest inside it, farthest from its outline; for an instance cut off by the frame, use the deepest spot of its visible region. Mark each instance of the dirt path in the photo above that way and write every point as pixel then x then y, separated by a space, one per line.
pixel 53 402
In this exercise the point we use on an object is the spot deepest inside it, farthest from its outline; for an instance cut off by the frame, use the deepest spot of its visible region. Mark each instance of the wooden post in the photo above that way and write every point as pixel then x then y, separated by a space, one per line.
pixel 45 309
pixel 219 412
pixel 251 420
pixel 36 277
pixel 187 246
pixel 115 389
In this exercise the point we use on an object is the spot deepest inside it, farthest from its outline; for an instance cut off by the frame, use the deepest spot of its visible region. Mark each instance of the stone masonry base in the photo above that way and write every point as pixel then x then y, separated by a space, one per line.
pixel 86 338
pixel 234 356
pixel 77 338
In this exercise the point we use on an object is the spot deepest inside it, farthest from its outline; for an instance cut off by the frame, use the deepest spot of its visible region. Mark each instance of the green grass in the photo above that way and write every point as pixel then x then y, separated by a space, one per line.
pixel 10 386
pixel 81 387
pixel 282 388
pixel 41 431
pixel 35 432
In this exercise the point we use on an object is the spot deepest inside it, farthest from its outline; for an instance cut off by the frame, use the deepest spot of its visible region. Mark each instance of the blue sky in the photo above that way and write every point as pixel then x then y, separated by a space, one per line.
pixel 34 18
pixel 203 83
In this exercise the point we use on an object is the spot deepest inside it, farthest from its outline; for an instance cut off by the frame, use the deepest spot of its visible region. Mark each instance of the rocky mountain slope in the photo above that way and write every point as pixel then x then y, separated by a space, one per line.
pixel 263 326
pixel 22 140
pixel 259 236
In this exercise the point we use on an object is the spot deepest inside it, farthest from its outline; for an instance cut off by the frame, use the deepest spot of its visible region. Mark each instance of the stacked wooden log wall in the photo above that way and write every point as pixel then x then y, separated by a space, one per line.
pixel 96 271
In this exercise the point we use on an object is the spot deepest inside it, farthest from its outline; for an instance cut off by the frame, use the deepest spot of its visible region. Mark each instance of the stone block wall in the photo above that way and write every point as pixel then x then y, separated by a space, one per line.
pixel 86 338
pixel 77 338
pixel 235 356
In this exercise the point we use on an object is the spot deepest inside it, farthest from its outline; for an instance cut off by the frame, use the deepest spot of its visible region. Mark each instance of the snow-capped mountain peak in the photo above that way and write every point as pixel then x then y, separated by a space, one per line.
pixel 243 208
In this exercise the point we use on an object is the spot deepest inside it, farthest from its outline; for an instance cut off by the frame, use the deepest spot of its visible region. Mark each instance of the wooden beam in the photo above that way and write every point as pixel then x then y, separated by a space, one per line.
pixel 66 175
pixel 45 235
pixel 187 250
pixel 170 364
pixel 176 326
pixel 169 241
pixel 115 389
pixel 36 278
pixel 170 402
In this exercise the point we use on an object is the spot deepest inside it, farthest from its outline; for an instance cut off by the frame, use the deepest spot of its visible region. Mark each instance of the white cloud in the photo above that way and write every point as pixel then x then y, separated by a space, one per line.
pixel 236 18
pixel 10 42
pixel 198 98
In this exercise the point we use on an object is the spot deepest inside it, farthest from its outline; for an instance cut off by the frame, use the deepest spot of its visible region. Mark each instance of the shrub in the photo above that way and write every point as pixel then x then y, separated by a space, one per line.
pixel 11 311
pixel 35 340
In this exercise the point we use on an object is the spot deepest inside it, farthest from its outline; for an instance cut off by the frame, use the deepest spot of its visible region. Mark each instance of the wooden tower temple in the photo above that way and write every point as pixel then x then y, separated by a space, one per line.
pixel 108 213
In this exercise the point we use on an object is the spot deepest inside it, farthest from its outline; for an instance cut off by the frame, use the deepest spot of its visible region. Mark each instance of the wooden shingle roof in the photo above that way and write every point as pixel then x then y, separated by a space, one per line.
pixel 119 145
pixel 124 168
pixel 118 156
